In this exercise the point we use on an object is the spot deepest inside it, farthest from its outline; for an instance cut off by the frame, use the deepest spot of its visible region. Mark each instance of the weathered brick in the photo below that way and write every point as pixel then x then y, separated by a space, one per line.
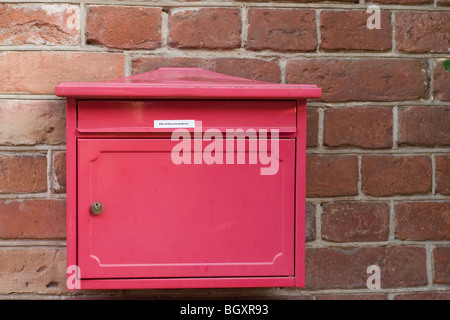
pixel 422 31
pixel 362 79
pixel 404 267
pixel 32 219
pixel 428 295
pixel 441 82
pixel 59 172
pixel 282 30
pixel 331 175
pixel 212 28
pixel 355 221
pixel 246 68
pixel 29 122
pixel 310 222
pixel 23 173
pixel 386 175
pixel 441 259
pixel 330 268
pixel 39 72
pixel 422 221
pixel 124 27
pixel 347 30
pixel 32 270
pixel 442 174
pixel 39 24
pixel 364 127
pixel 312 127
pixel 428 126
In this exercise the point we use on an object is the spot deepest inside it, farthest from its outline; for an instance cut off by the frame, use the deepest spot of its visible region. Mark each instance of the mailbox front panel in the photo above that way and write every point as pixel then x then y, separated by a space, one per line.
pixel 165 220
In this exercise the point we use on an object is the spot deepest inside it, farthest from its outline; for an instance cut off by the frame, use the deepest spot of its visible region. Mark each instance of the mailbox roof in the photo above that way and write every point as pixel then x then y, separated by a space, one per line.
pixel 185 83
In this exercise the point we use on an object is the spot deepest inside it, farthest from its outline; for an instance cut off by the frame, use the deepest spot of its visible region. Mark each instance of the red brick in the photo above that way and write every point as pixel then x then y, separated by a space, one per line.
pixel 330 268
pixel 282 30
pixel 32 219
pixel 442 174
pixel 422 31
pixel 124 27
pixel 386 175
pixel 441 258
pixel 365 127
pixel 23 173
pixel 212 28
pixel 30 122
pixel 427 126
pixel 59 172
pixel 347 30
pixel 331 176
pixel 423 296
pixel 39 72
pixel 352 297
pixel 355 221
pixel 32 270
pixel 39 24
pixel 312 127
pixel 246 68
pixel 362 79
pixel 422 221
pixel 443 2
pixel 441 82
pixel 404 267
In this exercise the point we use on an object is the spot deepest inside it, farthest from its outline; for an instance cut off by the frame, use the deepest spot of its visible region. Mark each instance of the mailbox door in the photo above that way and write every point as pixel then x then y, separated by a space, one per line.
pixel 162 219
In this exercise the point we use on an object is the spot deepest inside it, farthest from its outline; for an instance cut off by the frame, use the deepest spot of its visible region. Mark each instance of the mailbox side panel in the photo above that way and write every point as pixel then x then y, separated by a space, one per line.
pixel 300 195
pixel 71 187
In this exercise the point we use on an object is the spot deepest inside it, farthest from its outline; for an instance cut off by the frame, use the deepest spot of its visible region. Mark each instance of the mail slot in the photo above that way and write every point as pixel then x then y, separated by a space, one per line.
pixel 185 178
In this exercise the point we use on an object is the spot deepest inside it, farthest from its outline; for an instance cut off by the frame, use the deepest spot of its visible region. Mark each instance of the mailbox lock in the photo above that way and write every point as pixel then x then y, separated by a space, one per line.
pixel 97 208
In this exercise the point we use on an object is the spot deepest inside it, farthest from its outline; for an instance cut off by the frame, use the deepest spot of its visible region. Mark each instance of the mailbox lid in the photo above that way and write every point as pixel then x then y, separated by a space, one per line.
pixel 125 116
pixel 161 219
pixel 185 83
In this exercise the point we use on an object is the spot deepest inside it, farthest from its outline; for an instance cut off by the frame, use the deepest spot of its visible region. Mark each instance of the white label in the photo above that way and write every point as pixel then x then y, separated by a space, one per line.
pixel 174 123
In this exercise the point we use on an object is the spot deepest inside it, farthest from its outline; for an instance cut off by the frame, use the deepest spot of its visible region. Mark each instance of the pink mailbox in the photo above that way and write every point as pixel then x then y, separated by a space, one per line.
pixel 185 178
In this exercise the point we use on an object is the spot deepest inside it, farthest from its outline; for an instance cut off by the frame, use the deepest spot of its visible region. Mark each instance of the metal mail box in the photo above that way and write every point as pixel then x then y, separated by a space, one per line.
pixel 185 178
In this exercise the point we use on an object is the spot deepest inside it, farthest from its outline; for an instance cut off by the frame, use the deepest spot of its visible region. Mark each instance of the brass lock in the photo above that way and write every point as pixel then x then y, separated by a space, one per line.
pixel 96 208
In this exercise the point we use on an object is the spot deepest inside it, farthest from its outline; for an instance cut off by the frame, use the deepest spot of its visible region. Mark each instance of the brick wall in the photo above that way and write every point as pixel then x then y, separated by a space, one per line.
pixel 378 163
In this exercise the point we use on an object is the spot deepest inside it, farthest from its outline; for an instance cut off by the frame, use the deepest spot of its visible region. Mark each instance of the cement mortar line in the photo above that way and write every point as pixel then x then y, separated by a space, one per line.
pixel 32 243
pixel 32 196
pixel 401 151
pixel 223 53
pixel 311 103
pixel 316 244
pixel 365 198
pixel 219 292
pixel 429 264
pixel 34 149
pixel 357 198
pixel 409 103
pixel 233 4
pixel 322 244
